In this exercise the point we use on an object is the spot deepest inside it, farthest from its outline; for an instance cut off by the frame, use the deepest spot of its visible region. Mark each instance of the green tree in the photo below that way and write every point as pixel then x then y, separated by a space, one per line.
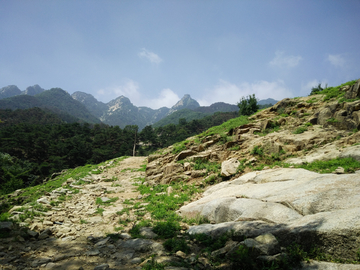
pixel 317 90
pixel 248 106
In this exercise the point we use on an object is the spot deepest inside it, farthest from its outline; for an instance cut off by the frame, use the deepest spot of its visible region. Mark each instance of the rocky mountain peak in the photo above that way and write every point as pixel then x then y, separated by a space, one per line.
pixel 9 91
pixel 33 90
pixel 186 102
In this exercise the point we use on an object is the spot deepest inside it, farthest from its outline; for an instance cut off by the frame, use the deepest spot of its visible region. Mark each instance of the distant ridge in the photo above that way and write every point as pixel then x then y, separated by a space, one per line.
pixel 55 99
pixel 118 112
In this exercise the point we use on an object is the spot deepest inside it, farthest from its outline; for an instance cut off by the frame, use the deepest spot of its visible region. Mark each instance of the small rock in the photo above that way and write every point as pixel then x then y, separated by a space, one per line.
pixel 180 254
pixel 105 199
pixel 147 232
pixel 102 242
pixel 93 252
pixel 339 170
pixel 125 236
pixel 43 201
pixel 102 267
pixel 136 261
pixel 169 190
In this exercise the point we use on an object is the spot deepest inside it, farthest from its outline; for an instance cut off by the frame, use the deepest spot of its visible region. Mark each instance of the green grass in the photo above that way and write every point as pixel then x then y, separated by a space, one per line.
pixel 178 147
pixel 162 207
pixel 226 127
pixel 99 211
pixel 300 130
pixel 312 100
pixel 173 245
pixel 332 120
pixel 334 92
pixel 257 150
pixel 111 200
pixel 349 164
pixel 211 167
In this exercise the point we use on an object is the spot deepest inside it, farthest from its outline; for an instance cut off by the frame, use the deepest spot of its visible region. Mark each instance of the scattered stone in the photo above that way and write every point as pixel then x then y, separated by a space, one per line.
pixel 148 233
pixel 93 252
pixel 339 170
pixel 102 267
pixel 169 190
pixel 180 254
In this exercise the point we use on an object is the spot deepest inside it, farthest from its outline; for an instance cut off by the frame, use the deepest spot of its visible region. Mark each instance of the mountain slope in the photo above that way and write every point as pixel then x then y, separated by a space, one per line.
pixel 9 91
pixel 56 100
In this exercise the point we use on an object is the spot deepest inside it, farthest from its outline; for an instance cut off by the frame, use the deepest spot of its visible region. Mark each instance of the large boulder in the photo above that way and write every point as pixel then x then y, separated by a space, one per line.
pixel 292 204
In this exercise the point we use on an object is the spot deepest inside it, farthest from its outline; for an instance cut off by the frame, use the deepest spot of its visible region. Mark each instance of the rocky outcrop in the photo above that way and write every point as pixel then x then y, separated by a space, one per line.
pixel 292 204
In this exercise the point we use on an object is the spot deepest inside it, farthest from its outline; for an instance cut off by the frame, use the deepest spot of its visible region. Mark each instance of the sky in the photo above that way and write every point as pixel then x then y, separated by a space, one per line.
pixel 154 52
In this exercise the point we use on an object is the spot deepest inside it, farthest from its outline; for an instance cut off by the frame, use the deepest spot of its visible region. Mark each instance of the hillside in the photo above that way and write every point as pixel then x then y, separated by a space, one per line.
pixel 276 190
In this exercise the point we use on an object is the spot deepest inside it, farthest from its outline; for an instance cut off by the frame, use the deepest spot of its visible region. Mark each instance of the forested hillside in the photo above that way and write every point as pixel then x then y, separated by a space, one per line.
pixel 35 143
pixel 56 100
pixel 31 152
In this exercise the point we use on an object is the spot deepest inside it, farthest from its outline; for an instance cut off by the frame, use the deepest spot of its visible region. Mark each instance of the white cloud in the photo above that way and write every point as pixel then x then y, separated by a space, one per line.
pixel 336 60
pixel 167 98
pixel 283 61
pixel 232 93
pixel 129 89
pixel 152 57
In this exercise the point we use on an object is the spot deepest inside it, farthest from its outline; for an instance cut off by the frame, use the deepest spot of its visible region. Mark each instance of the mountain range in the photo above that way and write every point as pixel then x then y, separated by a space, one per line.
pixel 118 112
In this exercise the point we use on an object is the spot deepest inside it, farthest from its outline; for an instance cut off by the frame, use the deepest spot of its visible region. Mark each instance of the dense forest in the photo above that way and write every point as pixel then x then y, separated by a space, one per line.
pixel 35 143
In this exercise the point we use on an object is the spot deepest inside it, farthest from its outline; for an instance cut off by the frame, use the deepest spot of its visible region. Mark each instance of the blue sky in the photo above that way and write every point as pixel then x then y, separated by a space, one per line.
pixel 154 52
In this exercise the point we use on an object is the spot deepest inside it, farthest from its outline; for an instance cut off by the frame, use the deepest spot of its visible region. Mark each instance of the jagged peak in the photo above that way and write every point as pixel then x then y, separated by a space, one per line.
pixel 186 102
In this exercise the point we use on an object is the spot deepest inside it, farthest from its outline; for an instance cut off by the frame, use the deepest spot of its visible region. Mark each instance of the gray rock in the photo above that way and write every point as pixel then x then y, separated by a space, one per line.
pixel 102 242
pixel 43 201
pixel 288 203
pixel 148 233
pixel 40 261
pixel 142 245
pixel 124 255
pixel 6 226
pixel 32 233
pixel 136 260
pixel 266 244
pixel 93 252
pixel 352 151
pixel 102 267
pixel 339 170
pixel 328 266
pixel 45 234
pixel 105 199
pixel 229 167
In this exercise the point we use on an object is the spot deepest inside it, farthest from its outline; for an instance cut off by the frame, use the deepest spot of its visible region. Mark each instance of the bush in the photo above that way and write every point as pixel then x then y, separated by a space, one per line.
pixel 248 106
pixel 317 90
pixel 174 245
pixel 167 229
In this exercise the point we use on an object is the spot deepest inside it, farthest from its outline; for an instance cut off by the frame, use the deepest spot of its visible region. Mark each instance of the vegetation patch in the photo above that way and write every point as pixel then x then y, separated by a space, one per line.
pixel 350 165
pixel 300 130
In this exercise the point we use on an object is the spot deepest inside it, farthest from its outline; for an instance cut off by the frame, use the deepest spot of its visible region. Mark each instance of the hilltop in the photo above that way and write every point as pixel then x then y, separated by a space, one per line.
pixel 268 191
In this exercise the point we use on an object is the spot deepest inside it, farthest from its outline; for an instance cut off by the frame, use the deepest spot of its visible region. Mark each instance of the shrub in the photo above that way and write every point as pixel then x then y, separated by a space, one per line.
pixel 257 150
pixel 174 245
pixel 317 90
pixel 248 106
pixel 167 229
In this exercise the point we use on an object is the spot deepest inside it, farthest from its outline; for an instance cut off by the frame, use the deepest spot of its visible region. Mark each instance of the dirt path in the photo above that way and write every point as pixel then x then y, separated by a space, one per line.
pixel 75 234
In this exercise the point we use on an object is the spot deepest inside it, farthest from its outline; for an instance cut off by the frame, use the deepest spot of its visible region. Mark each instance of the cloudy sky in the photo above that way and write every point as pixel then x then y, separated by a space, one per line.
pixel 154 52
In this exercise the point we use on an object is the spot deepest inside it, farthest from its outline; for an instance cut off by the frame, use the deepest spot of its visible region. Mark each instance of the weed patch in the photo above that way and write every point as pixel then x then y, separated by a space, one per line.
pixel 174 245
pixel 300 130
pixel 349 164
